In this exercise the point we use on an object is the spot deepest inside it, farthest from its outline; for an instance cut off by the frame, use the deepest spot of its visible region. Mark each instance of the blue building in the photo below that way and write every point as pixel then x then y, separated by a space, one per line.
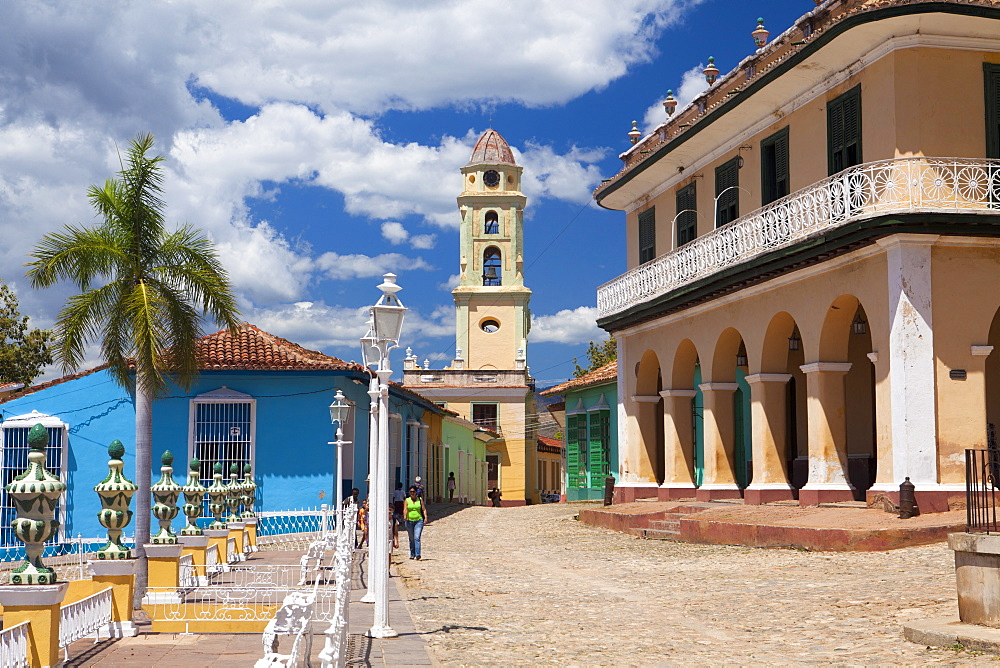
pixel 260 399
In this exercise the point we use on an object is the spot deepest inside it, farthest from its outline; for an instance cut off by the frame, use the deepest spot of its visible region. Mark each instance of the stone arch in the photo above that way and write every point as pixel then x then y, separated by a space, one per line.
pixel 727 346
pixel 685 359
pixel 648 384
pixel 727 419
pixel 846 341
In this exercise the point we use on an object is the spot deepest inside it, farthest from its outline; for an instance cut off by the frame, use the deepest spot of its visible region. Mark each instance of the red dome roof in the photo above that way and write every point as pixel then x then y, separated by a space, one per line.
pixel 493 149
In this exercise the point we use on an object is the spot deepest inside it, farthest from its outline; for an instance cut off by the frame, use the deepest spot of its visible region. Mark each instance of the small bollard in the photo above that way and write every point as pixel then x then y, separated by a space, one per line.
pixel 609 490
pixel 907 500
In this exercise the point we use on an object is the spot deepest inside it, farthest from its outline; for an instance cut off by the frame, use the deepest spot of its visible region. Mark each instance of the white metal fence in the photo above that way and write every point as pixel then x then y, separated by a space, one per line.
pixel 886 187
pixel 84 618
pixel 14 646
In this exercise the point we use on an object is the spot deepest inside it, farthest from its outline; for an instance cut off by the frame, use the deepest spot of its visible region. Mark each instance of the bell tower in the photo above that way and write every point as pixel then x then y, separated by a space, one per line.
pixel 491 301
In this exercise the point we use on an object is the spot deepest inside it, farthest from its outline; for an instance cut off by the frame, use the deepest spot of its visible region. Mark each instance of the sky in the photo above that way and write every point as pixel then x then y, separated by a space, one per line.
pixel 318 142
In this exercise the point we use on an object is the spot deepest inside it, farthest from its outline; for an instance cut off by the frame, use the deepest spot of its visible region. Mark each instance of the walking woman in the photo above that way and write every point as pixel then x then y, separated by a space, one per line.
pixel 416 516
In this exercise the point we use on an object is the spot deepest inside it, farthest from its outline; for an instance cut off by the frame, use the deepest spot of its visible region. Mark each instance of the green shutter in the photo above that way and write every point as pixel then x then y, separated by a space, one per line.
pixel 774 179
pixel 991 74
pixel 727 180
pixel 687 223
pixel 647 235
pixel 843 128
pixel 600 448
pixel 572 453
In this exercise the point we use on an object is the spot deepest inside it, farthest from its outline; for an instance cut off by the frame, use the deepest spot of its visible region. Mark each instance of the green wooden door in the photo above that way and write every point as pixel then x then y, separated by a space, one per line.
pixel 698 425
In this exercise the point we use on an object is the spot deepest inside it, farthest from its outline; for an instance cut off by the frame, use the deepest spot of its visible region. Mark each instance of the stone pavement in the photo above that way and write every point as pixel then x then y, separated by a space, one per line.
pixel 531 586
pixel 169 650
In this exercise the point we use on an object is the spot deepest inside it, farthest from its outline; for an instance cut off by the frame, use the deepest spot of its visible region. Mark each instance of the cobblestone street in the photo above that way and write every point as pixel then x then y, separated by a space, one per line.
pixel 531 585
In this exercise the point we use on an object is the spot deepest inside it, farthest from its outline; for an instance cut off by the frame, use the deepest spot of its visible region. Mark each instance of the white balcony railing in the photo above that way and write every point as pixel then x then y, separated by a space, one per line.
pixel 83 618
pixel 887 187
pixel 14 646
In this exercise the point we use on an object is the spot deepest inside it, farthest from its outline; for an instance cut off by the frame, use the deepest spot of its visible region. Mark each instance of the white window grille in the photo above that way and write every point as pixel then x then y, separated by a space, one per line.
pixel 14 460
pixel 223 429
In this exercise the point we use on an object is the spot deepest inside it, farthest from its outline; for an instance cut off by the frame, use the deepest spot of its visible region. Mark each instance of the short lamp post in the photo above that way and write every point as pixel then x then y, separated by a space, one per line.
pixel 387 324
pixel 340 412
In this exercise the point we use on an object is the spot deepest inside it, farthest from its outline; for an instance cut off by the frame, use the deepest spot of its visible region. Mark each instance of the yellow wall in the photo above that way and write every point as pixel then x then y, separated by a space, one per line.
pixel 915 102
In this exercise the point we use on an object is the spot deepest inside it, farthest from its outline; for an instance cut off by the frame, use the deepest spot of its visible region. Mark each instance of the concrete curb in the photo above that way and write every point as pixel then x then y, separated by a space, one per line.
pixel 950 631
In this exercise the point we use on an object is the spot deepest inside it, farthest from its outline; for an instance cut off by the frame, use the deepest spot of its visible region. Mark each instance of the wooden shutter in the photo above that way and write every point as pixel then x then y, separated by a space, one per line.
pixel 687 223
pixel 727 175
pixel 572 452
pixel 596 464
pixel 647 235
pixel 774 179
pixel 843 127
pixel 991 74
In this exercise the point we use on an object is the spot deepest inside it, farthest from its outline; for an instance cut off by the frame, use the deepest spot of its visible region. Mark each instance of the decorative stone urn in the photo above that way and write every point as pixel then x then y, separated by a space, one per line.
pixel 194 494
pixel 115 492
pixel 35 494
pixel 165 494
pixel 249 492
pixel 217 497
pixel 234 493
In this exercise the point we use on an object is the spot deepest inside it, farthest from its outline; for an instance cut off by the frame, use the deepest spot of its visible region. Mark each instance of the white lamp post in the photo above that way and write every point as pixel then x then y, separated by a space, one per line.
pixel 387 316
pixel 370 355
pixel 340 411
pixel 715 212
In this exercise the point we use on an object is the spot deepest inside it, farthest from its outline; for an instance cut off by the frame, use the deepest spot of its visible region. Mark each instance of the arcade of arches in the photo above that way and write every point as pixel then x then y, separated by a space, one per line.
pixel 830 383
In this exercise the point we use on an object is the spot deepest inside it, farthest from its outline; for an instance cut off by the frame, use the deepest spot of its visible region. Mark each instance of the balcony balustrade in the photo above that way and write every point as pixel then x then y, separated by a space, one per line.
pixel 884 188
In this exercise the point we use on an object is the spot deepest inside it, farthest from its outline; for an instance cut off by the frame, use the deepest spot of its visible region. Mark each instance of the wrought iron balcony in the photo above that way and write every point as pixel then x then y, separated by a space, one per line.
pixel 883 188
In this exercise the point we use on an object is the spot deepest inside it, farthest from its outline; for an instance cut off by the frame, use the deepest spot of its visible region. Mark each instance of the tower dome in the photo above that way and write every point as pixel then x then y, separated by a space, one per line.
pixel 492 149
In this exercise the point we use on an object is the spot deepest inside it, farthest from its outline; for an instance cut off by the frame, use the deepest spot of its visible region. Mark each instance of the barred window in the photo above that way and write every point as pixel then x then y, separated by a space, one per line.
pixel 223 428
pixel 14 460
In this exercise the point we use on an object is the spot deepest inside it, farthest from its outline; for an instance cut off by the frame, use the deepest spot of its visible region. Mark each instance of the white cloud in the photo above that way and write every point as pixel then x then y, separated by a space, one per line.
pixel 692 84
pixel 451 283
pixel 571 177
pixel 394 232
pixel 423 241
pixel 357 265
pixel 577 325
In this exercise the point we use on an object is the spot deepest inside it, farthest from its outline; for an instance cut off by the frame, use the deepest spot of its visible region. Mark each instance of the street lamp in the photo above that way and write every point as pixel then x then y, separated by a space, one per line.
pixel 673 225
pixel 715 212
pixel 387 324
pixel 340 411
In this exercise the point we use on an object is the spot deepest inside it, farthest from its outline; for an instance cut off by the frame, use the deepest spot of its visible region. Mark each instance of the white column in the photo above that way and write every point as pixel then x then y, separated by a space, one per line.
pixel 911 359
pixel 373 426
pixel 378 520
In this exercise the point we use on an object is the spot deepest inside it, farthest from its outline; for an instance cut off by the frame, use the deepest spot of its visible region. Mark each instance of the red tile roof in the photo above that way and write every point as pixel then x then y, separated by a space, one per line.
pixel 605 374
pixel 552 442
pixel 31 389
pixel 251 348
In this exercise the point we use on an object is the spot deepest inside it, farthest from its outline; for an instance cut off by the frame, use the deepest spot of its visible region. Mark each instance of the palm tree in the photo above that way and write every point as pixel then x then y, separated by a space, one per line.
pixel 141 290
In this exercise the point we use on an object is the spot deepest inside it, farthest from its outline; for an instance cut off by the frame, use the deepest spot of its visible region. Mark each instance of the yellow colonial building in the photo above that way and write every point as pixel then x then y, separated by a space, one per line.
pixel 488 382
pixel 810 307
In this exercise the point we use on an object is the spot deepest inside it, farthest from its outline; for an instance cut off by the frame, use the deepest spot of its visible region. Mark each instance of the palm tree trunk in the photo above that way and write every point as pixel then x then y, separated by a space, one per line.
pixel 143 468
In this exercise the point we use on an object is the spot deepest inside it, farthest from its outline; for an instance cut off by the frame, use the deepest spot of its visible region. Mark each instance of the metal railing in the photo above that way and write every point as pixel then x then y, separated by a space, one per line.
pixel 14 646
pixel 886 187
pixel 212 559
pixel 186 576
pixel 84 618
pixel 982 489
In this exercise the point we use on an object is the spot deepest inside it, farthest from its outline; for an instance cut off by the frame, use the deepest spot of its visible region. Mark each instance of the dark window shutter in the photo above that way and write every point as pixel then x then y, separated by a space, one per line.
pixel 572 452
pixel 774 178
pixel 647 235
pixel 727 176
pixel 843 120
pixel 687 223
pixel 991 74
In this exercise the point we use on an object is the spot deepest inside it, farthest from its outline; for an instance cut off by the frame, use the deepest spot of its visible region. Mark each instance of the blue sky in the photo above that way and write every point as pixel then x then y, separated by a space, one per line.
pixel 319 143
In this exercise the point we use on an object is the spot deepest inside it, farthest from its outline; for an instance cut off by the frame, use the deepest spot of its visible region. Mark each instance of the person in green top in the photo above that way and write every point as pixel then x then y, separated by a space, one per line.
pixel 415 513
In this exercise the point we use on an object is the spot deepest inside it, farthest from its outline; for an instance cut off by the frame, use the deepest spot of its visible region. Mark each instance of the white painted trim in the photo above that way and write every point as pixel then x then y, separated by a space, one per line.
pixel 768 378
pixel 224 395
pixel 678 393
pixel 719 387
pixel 769 486
pixel 635 484
pixel 873 357
pixel 834 367
pixel 810 95
pixel 907 239
pixel 827 487
pixel 645 399
pixel 678 485
pixel 981 351
pixel 719 486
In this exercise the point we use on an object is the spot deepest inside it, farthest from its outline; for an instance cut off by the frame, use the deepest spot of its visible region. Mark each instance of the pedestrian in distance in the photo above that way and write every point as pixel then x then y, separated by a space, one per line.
pixel 353 498
pixel 418 483
pixel 416 517
pixel 451 488
pixel 496 497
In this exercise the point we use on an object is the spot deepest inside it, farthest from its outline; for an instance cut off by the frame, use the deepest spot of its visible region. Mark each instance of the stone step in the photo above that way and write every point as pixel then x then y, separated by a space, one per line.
pixel 660 534
pixel 667 524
